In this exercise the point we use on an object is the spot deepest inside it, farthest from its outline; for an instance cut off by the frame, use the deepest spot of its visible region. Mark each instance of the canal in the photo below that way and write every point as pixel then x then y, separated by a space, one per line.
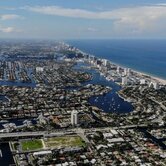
pixel 6 158
pixel 111 102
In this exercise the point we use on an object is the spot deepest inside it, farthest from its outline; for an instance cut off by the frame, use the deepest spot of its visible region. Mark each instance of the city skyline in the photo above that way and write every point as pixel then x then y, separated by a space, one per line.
pixel 79 19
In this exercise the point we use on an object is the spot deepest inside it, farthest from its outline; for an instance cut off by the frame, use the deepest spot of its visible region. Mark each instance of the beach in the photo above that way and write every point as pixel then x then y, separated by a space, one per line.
pixel 147 57
pixel 154 78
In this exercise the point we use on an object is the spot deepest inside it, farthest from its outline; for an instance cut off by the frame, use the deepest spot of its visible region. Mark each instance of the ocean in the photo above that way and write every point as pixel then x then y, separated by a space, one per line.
pixel 148 56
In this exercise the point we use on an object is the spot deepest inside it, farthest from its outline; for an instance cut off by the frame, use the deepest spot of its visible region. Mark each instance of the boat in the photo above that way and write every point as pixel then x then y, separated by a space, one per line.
pixel 1 153
pixel 96 100
pixel 4 121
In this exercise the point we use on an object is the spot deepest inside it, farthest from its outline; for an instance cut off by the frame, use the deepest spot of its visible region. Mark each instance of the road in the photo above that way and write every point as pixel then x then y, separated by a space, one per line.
pixel 79 131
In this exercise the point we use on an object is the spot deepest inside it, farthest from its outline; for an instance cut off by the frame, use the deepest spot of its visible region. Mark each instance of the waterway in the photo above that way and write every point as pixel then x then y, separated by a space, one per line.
pixel 159 142
pixel 110 102
pixel 6 158
pixel 21 84
pixel 18 122
pixel 3 98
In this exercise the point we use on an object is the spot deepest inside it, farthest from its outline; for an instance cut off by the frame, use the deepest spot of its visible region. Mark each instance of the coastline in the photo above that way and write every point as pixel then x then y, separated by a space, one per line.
pixel 156 78
pixel 160 80
pixel 139 72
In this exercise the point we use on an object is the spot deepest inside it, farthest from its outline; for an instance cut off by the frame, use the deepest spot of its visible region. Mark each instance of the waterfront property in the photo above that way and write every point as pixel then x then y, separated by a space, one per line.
pixel 79 113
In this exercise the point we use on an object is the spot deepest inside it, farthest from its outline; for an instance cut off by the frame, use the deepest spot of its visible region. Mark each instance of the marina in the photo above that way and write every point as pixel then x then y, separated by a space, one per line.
pixel 110 102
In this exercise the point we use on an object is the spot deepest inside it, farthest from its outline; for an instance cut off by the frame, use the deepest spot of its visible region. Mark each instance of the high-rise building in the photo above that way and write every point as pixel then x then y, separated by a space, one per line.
pixel 127 71
pixel 91 58
pixel 74 117
pixel 154 85
pixel 104 62
pixel 124 80
pixel 142 81
pixel 118 70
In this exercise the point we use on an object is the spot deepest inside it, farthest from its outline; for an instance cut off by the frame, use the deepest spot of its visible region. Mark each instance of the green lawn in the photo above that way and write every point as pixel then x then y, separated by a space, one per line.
pixel 29 145
pixel 66 141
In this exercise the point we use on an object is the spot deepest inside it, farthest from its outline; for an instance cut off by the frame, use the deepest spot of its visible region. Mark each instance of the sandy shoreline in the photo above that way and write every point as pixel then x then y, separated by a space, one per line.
pixel 155 78
pixel 160 80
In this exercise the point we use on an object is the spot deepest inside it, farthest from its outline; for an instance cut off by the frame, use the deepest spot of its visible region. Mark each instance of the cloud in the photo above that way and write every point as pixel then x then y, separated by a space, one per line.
pixel 9 29
pixel 6 29
pixel 148 11
pixel 7 8
pixel 59 11
pixel 161 4
pixel 138 18
pixel 10 17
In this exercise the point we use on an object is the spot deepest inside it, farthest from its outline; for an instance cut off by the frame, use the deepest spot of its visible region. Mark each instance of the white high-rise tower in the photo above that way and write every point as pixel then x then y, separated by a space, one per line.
pixel 124 81
pixel 74 117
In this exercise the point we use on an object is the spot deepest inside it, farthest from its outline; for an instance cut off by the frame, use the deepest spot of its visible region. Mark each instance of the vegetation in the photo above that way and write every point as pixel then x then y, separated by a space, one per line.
pixel 28 145
pixel 66 141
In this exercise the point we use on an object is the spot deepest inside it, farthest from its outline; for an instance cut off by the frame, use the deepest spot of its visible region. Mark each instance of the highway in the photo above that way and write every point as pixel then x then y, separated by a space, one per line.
pixel 21 134
pixel 79 131
pixel 31 134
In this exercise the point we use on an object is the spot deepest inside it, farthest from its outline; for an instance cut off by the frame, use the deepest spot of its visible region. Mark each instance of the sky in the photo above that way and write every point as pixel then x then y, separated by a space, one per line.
pixel 82 19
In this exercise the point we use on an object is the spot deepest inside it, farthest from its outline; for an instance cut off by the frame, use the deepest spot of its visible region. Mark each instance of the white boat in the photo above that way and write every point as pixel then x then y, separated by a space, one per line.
pixel 4 121
pixel 96 100
pixel 1 153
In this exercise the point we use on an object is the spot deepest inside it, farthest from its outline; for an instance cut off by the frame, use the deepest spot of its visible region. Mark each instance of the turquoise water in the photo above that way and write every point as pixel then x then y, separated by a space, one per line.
pixel 148 56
